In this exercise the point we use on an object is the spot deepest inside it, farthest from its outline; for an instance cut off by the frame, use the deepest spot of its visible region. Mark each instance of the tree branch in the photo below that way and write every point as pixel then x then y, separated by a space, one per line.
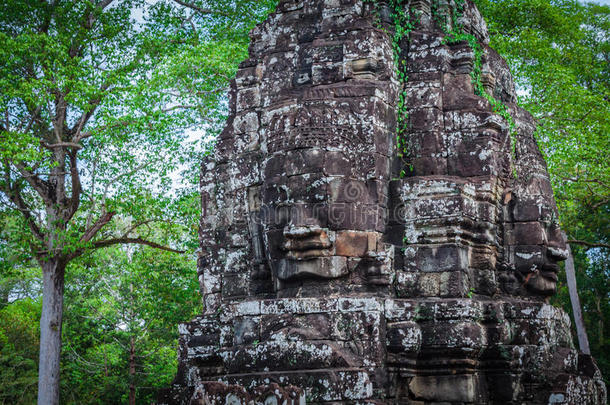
pixel 76 187
pixel 133 241
pixel 99 224
pixel 136 226
pixel 600 203
pixel 41 186
pixel 86 116
pixel 84 135
pixel 179 107
pixel 14 194
pixel 117 178
pixel 92 193
pixel 589 245
pixel 578 179
pixel 62 145
pixel 33 116
pixel 104 3
pixel 201 9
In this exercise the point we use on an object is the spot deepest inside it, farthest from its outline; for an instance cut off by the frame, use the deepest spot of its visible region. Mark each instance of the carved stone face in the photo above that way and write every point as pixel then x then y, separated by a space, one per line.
pixel 473 225
pixel 454 220
pixel 534 242
pixel 326 130
pixel 323 193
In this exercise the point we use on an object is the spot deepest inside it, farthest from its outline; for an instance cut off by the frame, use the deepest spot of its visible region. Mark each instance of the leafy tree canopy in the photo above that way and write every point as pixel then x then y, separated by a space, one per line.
pixel 96 98
pixel 559 52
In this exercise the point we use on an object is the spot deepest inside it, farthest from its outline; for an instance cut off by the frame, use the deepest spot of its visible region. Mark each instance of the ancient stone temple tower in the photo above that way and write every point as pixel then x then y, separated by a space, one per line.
pixel 378 224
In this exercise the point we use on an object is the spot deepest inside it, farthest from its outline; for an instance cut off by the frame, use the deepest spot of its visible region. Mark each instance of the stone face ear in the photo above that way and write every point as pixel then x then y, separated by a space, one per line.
pixel 507 196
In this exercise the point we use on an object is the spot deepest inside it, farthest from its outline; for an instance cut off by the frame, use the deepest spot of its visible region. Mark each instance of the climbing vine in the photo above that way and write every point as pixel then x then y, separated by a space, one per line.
pixel 457 34
pixel 402 24
pixel 402 28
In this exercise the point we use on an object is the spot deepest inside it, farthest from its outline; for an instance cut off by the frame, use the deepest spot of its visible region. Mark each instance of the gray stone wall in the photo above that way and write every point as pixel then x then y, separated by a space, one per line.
pixel 365 269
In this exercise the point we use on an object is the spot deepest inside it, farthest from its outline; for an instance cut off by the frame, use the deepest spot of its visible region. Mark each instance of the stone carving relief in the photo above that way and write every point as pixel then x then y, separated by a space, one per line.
pixel 534 244
pixel 332 264
pixel 324 192
pixel 474 202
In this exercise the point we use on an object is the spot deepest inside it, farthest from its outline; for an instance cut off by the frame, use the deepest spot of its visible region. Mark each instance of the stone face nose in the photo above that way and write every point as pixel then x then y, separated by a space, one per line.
pixel 556 244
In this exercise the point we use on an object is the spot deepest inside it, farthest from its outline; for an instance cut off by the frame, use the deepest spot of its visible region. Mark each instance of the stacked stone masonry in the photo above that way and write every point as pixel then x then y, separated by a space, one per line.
pixel 330 263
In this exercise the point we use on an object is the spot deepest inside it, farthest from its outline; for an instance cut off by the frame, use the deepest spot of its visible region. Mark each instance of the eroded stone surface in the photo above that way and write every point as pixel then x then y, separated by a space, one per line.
pixel 322 267
pixel 207 393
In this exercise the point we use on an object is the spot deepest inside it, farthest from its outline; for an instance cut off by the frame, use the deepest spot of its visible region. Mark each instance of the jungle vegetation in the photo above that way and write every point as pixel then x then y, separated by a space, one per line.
pixel 106 108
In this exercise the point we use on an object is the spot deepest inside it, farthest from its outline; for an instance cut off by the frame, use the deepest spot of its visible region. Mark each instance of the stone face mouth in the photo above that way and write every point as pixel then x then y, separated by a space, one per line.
pixel 550 270
pixel 558 254
pixel 307 254
pixel 543 281
pixel 546 270
pixel 549 275
pixel 303 243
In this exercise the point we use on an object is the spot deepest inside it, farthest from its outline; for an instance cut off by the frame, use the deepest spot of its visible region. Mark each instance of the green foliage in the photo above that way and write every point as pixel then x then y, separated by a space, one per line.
pixel 19 275
pixel 19 352
pixel 100 102
pixel 402 28
pixel 104 105
pixel 139 298
pixel 112 297
pixel 558 51
pixel 402 24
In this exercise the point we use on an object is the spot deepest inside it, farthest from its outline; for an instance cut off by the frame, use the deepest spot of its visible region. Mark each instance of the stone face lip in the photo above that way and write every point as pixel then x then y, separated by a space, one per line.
pixel 374 237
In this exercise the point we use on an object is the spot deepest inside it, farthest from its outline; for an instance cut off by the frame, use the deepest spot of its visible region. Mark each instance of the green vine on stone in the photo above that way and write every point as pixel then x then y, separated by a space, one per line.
pixel 457 34
pixel 402 28
pixel 402 25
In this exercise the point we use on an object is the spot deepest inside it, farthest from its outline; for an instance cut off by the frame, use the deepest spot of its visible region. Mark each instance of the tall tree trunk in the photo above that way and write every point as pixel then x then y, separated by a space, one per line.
pixel 600 321
pixel 4 295
pixel 132 371
pixel 53 272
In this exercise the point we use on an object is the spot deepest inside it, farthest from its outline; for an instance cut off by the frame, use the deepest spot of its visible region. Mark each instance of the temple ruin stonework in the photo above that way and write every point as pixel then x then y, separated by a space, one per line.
pixel 378 223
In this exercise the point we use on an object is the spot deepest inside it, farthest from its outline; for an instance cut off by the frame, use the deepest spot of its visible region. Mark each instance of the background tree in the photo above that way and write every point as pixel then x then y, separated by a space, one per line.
pixel 559 53
pixel 94 100
pixel 119 337
pixel 120 332
pixel 19 334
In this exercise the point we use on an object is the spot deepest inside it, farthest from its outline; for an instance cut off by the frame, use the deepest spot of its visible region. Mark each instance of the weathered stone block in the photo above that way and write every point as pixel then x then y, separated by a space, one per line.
pixel 362 274
pixel 404 338
pixel 353 243
pixel 448 388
